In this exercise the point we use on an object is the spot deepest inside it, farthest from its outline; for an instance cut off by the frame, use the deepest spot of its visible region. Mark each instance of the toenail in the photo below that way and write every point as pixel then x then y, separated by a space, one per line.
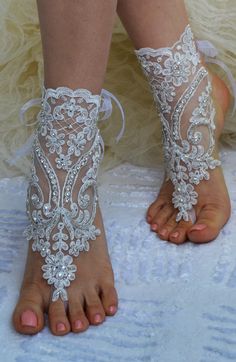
pixel 97 318
pixel 149 218
pixel 163 232
pixel 112 309
pixel 29 319
pixel 78 324
pixel 198 227
pixel 154 227
pixel 175 235
pixel 61 327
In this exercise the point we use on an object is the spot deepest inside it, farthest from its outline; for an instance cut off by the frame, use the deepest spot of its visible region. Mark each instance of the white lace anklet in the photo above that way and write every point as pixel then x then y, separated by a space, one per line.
pixel 62 193
pixel 182 90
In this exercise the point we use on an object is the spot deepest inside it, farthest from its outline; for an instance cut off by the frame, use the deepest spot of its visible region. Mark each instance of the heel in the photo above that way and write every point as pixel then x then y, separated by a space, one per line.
pixel 222 93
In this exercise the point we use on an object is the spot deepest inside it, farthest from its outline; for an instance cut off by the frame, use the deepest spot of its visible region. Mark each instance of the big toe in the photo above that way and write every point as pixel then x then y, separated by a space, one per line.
pixel 209 222
pixel 28 316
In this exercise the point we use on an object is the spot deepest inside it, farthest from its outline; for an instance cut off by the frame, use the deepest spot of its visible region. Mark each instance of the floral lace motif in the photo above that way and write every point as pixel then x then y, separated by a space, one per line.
pixel 61 205
pixel 182 90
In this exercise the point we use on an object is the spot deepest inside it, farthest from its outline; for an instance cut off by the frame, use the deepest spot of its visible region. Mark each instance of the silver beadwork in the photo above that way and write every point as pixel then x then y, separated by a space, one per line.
pixel 61 205
pixel 182 90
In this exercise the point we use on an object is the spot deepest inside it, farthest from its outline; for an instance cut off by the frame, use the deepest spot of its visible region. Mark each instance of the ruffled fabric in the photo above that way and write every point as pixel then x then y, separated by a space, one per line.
pixel 21 75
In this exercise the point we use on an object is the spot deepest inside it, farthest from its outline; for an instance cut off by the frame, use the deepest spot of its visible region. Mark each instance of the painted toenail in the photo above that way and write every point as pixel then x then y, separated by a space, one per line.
pixel 78 324
pixel 97 318
pixel 175 235
pixel 29 319
pixel 61 327
pixel 154 227
pixel 163 232
pixel 198 227
pixel 112 309
pixel 149 218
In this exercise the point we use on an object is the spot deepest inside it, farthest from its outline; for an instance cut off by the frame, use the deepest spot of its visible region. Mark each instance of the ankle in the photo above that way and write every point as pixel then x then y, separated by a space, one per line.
pixel 67 152
pixel 182 89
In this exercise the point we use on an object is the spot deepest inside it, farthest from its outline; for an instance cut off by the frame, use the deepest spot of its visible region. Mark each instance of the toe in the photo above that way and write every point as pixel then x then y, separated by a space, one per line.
pixel 109 299
pixel 210 221
pixel 28 316
pixel 161 217
pixel 163 197
pixel 179 233
pixel 153 209
pixel 167 228
pixel 58 321
pixel 78 319
pixel 94 308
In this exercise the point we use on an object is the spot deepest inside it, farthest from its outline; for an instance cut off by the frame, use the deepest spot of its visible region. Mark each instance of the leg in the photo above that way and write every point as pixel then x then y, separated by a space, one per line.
pixel 158 24
pixel 76 38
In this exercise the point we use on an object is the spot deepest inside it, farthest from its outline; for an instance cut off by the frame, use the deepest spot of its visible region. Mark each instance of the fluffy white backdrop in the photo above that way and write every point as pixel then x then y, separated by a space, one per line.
pixel 21 75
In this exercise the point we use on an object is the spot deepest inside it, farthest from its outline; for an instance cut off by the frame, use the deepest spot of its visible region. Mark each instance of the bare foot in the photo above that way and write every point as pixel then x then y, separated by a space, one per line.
pixel 92 295
pixel 213 208
pixel 62 195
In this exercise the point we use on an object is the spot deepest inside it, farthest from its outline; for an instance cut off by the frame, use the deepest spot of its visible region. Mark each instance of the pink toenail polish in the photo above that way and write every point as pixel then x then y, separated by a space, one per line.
pixel 61 327
pixel 163 232
pixel 154 227
pixel 112 309
pixel 198 227
pixel 78 324
pixel 175 235
pixel 97 318
pixel 29 319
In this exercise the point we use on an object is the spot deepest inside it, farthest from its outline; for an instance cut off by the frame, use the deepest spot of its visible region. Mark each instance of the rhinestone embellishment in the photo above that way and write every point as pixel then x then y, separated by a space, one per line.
pixel 62 192
pixel 182 91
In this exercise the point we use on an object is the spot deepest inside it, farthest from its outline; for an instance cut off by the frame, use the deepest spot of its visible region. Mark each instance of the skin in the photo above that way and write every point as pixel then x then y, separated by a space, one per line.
pixel 92 295
pixel 75 54
pixel 213 208
pixel 145 26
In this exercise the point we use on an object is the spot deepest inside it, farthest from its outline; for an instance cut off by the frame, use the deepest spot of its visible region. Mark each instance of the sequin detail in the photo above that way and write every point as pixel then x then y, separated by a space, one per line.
pixel 182 91
pixel 62 193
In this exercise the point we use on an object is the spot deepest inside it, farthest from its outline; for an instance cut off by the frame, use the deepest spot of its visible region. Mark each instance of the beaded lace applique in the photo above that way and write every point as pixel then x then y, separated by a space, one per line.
pixel 182 90
pixel 62 193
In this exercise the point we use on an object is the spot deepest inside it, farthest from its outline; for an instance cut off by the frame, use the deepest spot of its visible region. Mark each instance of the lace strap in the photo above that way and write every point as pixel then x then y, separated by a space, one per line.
pixel 106 108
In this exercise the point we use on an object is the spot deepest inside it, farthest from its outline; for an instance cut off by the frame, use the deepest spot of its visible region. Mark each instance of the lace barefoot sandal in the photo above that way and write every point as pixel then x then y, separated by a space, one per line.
pixel 62 193
pixel 182 90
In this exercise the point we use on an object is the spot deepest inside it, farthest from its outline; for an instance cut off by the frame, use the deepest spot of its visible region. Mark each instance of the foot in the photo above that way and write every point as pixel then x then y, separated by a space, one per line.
pixel 64 217
pixel 91 295
pixel 213 207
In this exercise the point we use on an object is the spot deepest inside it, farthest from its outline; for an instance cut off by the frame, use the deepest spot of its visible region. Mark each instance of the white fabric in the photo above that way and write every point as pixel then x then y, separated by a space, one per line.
pixel 177 303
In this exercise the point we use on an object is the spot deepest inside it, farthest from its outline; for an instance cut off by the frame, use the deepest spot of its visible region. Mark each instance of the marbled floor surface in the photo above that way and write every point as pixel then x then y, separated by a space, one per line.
pixel 177 303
